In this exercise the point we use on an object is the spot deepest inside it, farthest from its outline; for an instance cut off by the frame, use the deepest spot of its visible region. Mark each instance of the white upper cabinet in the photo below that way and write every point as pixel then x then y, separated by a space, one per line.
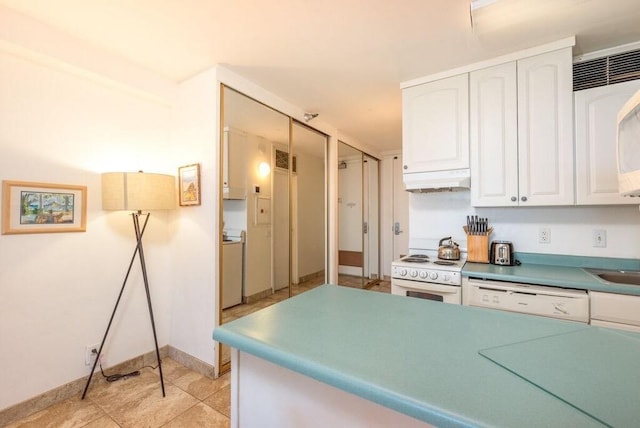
pixel 234 172
pixel 494 136
pixel 596 112
pixel 522 133
pixel 435 125
pixel 545 129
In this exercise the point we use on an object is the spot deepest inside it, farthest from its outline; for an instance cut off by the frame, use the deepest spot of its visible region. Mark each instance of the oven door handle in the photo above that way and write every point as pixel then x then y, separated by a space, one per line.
pixel 427 287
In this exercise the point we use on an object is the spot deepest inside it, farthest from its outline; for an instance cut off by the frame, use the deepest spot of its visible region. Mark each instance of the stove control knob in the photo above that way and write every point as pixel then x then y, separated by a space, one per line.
pixel 446 277
pixel 433 275
pixel 403 272
pixel 423 274
pixel 413 273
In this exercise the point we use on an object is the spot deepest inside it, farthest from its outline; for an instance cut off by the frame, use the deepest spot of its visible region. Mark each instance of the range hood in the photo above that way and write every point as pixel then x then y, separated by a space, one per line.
pixel 437 181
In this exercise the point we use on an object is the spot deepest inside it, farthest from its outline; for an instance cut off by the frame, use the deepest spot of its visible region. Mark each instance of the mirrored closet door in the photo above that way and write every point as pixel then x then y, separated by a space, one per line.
pixel 273 229
pixel 358 218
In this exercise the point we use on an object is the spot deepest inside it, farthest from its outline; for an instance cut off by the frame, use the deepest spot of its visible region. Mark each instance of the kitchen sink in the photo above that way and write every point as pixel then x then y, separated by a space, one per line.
pixel 631 277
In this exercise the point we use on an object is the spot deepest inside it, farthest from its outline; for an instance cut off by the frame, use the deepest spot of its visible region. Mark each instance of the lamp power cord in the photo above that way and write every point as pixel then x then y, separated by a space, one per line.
pixel 118 376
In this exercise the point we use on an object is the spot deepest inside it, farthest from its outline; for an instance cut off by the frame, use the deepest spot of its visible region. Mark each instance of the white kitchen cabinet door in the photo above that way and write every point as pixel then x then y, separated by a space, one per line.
pixel 545 129
pixel 234 175
pixel 494 136
pixel 435 125
pixel 615 309
pixel 596 113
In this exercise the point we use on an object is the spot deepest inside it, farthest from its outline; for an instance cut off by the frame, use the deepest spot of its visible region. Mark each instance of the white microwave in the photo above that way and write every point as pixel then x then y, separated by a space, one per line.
pixel 629 147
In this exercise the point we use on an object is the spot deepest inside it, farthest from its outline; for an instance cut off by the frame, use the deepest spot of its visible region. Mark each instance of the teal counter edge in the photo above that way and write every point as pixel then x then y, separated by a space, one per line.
pixel 372 392
pixel 557 271
pixel 578 261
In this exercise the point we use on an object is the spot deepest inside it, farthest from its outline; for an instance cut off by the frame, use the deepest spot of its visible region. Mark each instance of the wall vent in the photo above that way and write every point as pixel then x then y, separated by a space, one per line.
pixel 607 70
pixel 282 160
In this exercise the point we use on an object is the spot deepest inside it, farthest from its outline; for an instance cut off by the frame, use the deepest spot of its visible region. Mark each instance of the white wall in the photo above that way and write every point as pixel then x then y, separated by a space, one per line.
pixel 436 215
pixel 350 205
pixel 258 271
pixel 60 123
pixel 195 231
pixel 311 214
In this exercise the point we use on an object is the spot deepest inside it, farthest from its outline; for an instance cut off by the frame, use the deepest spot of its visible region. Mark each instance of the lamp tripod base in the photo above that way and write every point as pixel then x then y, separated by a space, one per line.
pixel 139 231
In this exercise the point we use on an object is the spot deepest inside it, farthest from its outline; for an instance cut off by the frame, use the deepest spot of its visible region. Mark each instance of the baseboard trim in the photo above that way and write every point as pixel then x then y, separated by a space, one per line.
pixel 306 278
pixel 191 362
pixel 73 388
pixel 257 296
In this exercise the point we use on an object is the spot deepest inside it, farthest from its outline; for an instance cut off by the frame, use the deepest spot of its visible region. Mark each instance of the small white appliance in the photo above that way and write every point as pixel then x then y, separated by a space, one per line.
pixel 628 153
pixel 232 267
pixel 423 275
pixel 551 302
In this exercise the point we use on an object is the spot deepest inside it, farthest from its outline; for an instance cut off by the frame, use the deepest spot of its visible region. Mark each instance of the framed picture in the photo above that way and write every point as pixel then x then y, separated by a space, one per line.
pixel 189 184
pixel 43 207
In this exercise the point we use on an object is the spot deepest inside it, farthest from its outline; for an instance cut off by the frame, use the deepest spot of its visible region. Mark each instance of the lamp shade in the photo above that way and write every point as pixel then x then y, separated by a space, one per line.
pixel 138 191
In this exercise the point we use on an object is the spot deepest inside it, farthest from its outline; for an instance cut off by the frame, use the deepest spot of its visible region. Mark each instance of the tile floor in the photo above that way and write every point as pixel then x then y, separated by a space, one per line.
pixel 192 400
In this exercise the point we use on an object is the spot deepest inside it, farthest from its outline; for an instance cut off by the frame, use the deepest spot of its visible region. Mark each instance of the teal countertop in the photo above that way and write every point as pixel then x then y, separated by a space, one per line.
pixel 418 357
pixel 558 271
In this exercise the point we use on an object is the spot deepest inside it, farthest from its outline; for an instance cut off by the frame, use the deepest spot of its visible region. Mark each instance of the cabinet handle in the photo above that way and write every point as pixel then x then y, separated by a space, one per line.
pixel 513 199
pixel 523 199
pixel 405 167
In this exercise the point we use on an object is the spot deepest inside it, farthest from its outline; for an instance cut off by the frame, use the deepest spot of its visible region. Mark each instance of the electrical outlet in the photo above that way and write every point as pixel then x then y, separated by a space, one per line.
pixel 544 235
pixel 599 238
pixel 90 354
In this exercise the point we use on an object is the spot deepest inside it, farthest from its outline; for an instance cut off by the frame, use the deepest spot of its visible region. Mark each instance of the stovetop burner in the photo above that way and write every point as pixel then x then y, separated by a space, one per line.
pixel 445 263
pixel 416 258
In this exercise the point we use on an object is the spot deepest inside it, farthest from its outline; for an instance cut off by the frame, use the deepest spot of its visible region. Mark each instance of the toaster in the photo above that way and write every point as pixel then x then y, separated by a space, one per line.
pixel 501 253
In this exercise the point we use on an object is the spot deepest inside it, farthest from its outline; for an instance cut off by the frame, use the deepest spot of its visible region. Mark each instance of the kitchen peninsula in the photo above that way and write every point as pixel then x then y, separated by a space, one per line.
pixel 336 356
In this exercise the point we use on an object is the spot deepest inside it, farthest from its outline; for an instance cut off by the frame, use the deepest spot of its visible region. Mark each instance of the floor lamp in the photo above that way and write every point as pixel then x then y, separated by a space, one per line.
pixel 137 192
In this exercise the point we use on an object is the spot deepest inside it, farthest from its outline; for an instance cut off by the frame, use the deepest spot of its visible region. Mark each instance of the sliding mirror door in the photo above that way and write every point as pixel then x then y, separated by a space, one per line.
pixel 273 230
pixel 255 207
pixel 358 218
pixel 350 217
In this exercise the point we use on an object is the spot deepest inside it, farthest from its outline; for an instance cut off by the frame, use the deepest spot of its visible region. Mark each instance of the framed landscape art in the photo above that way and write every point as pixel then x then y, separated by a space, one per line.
pixel 43 207
pixel 189 184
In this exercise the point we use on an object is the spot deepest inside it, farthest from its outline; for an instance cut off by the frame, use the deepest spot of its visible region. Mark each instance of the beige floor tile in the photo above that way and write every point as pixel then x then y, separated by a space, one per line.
pixel 172 370
pixel 201 386
pixel 221 401
pixel 66 414
pixel 138 402
pixel 103 422
pixel 200 416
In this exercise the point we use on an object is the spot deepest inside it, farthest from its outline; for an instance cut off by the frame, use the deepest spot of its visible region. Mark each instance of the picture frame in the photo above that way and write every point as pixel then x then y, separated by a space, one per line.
pixel 29 207
pixel 189 185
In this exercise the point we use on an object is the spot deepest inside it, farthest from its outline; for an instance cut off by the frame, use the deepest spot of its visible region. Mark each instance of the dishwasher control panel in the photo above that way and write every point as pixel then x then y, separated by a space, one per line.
pixel 544 301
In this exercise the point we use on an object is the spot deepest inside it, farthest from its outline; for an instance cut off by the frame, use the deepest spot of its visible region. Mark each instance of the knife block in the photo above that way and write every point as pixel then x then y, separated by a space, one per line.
pixel 478 247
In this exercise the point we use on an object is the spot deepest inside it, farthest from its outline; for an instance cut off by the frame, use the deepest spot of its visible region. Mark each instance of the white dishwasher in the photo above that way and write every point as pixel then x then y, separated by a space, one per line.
pixel 232 258
pixel 553 302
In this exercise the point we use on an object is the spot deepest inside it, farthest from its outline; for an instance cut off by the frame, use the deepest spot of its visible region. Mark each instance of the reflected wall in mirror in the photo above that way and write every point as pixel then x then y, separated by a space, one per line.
pixel 309 208
pixel 267 235
pixel 358 218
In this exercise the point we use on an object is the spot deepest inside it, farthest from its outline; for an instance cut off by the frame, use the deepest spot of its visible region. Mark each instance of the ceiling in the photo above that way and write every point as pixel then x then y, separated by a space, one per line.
pixel 342 59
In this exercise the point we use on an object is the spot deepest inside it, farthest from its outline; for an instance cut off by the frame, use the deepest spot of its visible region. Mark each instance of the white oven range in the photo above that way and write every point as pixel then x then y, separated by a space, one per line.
pixel 424 276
